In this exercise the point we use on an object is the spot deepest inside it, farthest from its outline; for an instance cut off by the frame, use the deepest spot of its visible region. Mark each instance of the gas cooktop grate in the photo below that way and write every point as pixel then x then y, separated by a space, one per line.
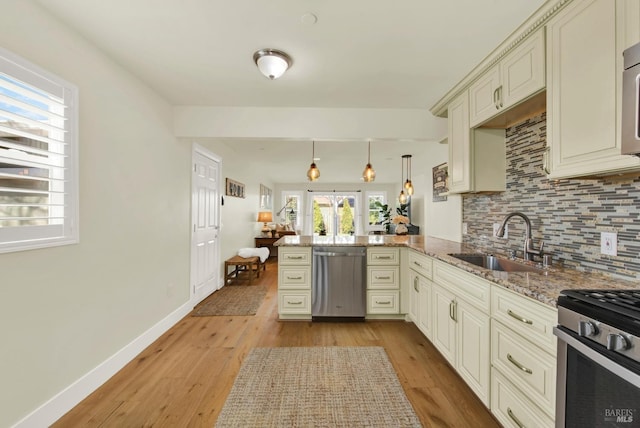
pixel 626 302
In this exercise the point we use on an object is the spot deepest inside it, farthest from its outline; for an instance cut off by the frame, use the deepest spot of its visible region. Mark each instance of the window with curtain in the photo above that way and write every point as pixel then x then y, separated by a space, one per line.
pixel 38 157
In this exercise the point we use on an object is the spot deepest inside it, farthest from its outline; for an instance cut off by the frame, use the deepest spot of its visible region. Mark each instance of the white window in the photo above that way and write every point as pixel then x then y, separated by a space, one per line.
pixel 375 215
pixel 291 212
pixel 38 157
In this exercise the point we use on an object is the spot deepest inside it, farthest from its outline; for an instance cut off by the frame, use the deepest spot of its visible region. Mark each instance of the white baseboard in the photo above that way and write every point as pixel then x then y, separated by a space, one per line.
pixel 68 398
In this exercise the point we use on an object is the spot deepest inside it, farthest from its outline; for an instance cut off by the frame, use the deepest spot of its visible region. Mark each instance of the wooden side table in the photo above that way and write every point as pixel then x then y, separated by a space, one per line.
pixel 268 242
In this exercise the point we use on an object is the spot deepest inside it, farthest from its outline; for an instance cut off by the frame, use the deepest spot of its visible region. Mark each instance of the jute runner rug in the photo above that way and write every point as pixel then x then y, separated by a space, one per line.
pixel 317 387
pixel 232 300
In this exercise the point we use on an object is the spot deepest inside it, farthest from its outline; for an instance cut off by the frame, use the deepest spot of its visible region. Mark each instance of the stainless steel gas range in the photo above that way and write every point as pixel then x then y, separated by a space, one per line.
pixel 598 378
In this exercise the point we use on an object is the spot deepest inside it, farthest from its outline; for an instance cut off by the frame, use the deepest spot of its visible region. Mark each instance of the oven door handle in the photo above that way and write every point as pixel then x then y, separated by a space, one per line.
pixel 612 366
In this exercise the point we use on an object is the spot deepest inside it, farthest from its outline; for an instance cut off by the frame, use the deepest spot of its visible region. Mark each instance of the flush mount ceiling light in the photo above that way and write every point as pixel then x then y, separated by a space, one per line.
pixel 369 174
pixel 314 173
pixel 272 62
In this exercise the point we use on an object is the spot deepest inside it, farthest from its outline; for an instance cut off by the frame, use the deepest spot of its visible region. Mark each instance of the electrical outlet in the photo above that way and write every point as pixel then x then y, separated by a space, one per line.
pixel 496 226
pixel 609 243
pixel 465 229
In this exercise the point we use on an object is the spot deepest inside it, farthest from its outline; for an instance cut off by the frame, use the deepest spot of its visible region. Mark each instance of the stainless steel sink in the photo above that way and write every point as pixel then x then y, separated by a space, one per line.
pixel 491 262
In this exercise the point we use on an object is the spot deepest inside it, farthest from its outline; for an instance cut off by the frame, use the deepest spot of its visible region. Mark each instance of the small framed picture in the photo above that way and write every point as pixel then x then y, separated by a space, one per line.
pixel 266 198
pixel 234 188
pixel 440 182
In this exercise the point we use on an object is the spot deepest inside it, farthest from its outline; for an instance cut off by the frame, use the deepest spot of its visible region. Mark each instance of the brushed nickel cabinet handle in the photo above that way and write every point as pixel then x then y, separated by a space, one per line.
pixel 386 302
pixel 383 277
pixel 417 264
pixel 518 317
pixel 545 160
pixel 518 365
pixel 294 303
pixel 295 257
pixel 514 418
pixel 415 284
pixel 452 310
pixel 383 257
pixel 294 277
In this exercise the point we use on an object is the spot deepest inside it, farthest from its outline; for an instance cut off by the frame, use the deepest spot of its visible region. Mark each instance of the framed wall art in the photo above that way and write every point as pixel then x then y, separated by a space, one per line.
pixel 440 182
pixel 234 188
pixel 266 198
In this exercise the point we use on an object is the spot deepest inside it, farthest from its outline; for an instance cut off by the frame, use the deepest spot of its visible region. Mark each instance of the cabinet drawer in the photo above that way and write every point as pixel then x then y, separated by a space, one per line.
pixel 292 302
pixel 294 277
pixel 512 408
pixel 421 264
pixel 532 370
pixel 468 287
pixel 294 256
pixel 383 256
pixel 383 277
pixel 531 319
pixel 383 302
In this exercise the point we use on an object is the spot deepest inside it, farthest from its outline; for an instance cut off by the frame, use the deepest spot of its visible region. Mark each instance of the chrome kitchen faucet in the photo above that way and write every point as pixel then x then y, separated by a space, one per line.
pixel 529 251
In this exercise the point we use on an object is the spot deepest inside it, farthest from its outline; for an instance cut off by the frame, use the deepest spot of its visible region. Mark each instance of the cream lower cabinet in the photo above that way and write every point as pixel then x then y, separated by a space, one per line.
pixel 523 358
pixel 294 282
pixel 421 308
pixel 461 325
pixel 585 42
pixel 383 281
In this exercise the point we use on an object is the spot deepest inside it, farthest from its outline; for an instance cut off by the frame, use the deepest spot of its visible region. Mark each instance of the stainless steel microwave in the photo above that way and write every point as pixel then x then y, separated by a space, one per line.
pixel 631 101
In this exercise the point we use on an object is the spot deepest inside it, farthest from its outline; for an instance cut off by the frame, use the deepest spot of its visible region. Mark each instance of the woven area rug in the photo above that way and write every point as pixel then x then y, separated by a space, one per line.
pixel 317 387
pixel 232 300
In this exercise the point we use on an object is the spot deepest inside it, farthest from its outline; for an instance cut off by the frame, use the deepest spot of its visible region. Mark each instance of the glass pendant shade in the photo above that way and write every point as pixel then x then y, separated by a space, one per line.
pixel 271 62
pixel 402 198
pixel 408 186
pixel 369 174
pixel 314 173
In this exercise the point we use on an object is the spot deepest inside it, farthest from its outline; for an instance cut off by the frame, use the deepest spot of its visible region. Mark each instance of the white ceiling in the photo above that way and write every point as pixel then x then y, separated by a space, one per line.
pixel 359 54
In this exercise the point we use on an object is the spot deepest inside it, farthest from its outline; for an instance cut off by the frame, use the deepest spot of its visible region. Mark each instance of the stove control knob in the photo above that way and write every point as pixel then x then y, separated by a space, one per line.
pixel 587 328
pixel 617 342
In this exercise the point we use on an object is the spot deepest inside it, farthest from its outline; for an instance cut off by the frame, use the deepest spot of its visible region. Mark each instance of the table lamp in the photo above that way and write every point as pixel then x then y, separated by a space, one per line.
pixel 265 217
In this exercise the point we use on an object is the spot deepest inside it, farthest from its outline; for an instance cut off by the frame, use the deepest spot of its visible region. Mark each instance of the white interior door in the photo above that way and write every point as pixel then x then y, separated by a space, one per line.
pixel 205 211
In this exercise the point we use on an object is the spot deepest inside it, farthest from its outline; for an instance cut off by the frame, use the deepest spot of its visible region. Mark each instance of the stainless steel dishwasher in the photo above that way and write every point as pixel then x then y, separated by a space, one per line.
pixel 339 284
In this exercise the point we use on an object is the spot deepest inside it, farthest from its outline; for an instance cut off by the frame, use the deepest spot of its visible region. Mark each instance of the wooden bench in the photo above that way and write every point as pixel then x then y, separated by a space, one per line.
pixel 240 265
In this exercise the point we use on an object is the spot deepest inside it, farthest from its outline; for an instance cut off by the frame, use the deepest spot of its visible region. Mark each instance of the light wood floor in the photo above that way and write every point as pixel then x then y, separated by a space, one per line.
pixel 182 379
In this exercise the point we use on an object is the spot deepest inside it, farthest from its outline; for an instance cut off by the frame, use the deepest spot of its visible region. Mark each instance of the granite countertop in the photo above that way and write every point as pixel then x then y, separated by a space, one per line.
pixel 544 286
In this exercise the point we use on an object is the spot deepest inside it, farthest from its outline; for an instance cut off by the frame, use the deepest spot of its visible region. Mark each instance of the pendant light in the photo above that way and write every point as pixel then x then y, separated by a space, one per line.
pixel 369 174
pixel 313 172
pixel 402 198
pixel 408 185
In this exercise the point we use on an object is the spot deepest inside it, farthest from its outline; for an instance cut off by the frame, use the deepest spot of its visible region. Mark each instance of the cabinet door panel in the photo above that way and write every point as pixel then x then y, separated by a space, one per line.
pixel 425 308
pixel 444 328
pixel 459 145
pixel 473 350
pixel 482 97
pixel 523 70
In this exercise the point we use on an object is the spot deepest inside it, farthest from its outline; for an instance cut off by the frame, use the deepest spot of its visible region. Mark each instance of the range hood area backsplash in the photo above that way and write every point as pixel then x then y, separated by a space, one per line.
pixel 568 215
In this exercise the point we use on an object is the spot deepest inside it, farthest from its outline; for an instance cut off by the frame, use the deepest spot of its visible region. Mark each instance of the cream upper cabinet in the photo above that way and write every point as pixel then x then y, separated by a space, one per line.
pixel 517 76
pixel 584 85
pixel 476 156
pixel 459 145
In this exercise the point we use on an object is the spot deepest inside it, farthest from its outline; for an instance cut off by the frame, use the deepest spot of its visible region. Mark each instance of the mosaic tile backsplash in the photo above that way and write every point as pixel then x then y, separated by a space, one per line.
pixel 568 215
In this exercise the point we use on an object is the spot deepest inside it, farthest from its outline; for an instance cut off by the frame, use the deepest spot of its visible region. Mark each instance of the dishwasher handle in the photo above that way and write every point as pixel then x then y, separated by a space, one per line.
pixel 337 254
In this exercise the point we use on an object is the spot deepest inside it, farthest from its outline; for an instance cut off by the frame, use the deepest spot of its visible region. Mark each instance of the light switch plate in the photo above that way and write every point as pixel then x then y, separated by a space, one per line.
pixel 609 243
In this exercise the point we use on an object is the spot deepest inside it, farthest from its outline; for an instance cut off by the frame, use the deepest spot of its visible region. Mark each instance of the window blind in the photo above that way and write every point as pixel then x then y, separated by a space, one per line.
pixel 38 168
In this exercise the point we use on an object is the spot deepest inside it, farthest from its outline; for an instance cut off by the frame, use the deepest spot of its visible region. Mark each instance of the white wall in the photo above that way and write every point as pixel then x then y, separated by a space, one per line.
pixel 442 219
pixel 65 310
